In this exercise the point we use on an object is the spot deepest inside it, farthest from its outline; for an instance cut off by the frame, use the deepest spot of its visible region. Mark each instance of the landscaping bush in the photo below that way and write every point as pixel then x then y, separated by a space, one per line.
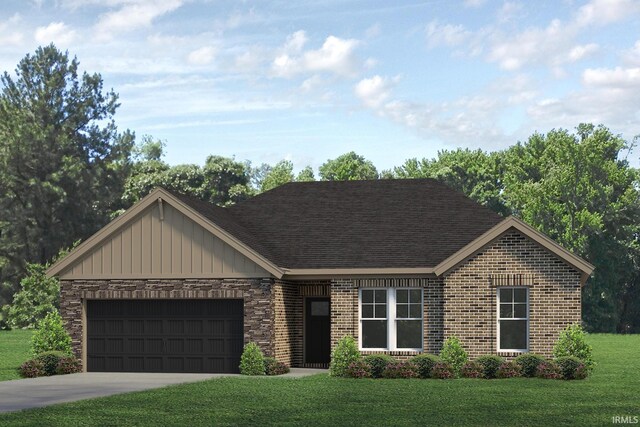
pixel 454 354
pixel 274 367
pixel 252 360
pixel 442 371
pixel 549 370
pixel 378 363
pixel 50 335
pixel 358 369
pixel 472 369
pixel 50 361
pixel 509 369
pixel 31 369
pixel 401 370
pixel 490 365
pixel 529 363
pixel 38 296
pixel 573 342
pixel 68 365
pixel 345 353
pixel 425 363
pixel 572 368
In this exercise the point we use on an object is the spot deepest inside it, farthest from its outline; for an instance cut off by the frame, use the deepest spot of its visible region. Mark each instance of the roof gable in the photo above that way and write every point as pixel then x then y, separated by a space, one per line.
pixel 162 237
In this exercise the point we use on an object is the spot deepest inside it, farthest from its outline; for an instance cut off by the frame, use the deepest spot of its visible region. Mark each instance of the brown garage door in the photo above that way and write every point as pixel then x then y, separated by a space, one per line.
pixel 164 335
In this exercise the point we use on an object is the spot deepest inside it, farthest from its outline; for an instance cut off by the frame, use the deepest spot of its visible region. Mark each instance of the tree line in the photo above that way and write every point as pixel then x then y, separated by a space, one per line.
pixel 66 170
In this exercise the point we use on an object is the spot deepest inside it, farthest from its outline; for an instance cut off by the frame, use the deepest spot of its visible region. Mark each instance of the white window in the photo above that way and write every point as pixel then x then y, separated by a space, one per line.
pixel 391 319
pixel 513 319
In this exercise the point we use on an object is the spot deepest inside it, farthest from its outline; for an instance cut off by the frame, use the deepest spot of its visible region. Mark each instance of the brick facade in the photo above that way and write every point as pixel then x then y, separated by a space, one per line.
pixel 470 294
pixel 463 302
pixel 257 295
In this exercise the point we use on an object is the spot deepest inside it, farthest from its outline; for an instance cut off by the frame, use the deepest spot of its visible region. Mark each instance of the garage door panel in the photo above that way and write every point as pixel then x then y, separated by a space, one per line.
pixel 164 335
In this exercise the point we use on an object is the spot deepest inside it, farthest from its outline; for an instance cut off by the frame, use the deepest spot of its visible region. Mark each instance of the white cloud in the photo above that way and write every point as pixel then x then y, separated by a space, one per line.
pixel 603 12
pixel 445 35
pixel 632 56
pixel 374 91
pixel 582 51
pixel 57 32
pixel 336 56
pixel 202 56
pixel 508 11
pixel 131 16
pixel 618 77
pixel 295 42
pixel 10 33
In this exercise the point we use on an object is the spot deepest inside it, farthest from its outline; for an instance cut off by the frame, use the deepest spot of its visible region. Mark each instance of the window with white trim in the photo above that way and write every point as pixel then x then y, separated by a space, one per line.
pixel 513 319
pixel 391 319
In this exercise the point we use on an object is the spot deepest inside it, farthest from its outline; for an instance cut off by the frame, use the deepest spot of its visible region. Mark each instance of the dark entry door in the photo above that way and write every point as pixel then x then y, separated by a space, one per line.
pixel 318 331
pixel 164 335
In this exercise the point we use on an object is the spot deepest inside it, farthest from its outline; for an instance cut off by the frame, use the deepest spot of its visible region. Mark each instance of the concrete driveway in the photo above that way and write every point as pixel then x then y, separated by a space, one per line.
pixel 37 392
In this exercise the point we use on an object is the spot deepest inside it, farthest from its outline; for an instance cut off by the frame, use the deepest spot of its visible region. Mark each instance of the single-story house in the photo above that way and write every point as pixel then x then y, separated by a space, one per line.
pixel 176 284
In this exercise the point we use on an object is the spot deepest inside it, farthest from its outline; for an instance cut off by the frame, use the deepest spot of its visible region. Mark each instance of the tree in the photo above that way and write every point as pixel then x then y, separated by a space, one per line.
pixel 62 161
pixel 473 172
pixel 580 190
pixel 149 149
pixel 226 180
pixel 281 173
pixel 38 296
pixel 348 167
pixel 306 175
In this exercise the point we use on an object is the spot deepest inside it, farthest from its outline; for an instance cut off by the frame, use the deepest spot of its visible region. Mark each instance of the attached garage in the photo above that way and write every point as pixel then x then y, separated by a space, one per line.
pixel 164 335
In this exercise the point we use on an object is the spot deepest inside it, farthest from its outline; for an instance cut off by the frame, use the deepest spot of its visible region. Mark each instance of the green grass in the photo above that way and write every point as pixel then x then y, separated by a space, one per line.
pixel 321 400
pixel 14 349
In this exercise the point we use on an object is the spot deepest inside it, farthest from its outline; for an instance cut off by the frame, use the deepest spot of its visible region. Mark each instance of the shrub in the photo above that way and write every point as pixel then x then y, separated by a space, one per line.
pixel 50 336
pixel 572 368
pixel 68 365
pixel 252 360
pixel 38 296
pixel 378 363
pixel 358 369
pixel 454 354
pixel 274 367
pixel 509 369
pixel 529 363
pixel 50 361
pixel 442 371
pixel 549 370
pixel 490 365
pixel 401 370
pixel 345 353
pixel 573 342
pixel 425 363
pixel 472 369
pixel 31 369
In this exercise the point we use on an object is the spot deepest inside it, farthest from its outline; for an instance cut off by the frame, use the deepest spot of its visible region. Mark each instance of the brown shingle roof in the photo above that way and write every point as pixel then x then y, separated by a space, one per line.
pixel 355 224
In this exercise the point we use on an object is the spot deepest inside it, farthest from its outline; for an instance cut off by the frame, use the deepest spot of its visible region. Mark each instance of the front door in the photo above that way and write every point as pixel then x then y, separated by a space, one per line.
pixel 317 331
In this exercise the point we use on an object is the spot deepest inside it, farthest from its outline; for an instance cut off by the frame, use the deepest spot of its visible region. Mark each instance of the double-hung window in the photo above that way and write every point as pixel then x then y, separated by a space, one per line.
pixel 391 319
pixel 513 319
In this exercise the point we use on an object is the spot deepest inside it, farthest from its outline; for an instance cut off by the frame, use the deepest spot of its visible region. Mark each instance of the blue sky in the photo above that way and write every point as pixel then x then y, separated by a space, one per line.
pixel 310 80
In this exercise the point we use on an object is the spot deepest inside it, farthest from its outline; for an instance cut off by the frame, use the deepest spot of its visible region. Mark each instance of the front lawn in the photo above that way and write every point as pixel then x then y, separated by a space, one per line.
pixel 14 349
pixel 611 391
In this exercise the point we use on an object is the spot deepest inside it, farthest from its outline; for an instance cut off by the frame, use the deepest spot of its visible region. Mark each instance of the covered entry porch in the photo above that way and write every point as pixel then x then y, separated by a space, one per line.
pixel 302 323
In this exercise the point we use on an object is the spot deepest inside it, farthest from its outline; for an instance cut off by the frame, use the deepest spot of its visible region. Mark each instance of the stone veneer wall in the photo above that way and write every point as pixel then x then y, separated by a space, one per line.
pixel 288 312
pixel 258 317
pixel 344 309
pixel 470 294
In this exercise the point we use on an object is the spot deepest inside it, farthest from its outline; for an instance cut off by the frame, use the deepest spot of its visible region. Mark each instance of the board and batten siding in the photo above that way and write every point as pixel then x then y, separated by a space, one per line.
pixel 174 247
